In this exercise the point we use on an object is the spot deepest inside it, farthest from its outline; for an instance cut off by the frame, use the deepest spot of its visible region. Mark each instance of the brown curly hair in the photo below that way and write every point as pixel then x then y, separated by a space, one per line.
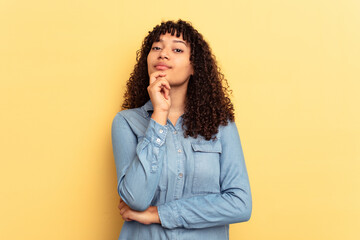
pixel 207 100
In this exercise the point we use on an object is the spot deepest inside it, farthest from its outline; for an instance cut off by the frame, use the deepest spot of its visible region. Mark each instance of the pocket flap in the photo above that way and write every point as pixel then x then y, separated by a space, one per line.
pixel 208 146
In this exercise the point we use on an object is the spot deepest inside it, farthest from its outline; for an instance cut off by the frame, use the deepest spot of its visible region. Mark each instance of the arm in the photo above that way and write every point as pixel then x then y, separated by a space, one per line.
pixel 139 176
pixel 233 204
pixel 138 164
pixel 148 216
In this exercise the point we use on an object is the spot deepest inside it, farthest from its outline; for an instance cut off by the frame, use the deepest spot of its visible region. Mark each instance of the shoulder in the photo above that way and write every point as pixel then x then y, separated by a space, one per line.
pixel 229 127
pixel 129 115
pixel 228 132
pixel 135 120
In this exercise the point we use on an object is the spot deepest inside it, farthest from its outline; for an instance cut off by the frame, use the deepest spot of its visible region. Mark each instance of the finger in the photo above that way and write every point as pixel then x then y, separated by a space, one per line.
pixel 157 81
pixel 128 215
pixel 165 82
pixel 127 219
pixel 121 205
pixel 166 93
pixel 158 74
pixel 122 211
pixel 155 75
pixel 125 209
pixel 161 83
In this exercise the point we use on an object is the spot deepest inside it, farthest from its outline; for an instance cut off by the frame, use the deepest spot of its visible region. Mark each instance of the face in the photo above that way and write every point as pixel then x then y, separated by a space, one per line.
pixel 172 56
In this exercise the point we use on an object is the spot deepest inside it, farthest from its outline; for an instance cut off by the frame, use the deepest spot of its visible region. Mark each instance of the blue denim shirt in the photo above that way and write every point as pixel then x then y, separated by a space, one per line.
pixel 199 186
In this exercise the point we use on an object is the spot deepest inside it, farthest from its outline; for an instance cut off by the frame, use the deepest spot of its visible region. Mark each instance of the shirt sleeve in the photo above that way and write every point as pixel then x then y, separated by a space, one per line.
pixel 233 203
pixel 138 162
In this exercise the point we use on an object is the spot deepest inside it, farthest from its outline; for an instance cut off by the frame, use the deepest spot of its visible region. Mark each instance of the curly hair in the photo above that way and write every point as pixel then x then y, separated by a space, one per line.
pixel 207 103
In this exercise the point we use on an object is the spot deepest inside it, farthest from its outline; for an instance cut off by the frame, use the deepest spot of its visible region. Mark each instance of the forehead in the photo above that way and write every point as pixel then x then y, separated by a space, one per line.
pixel 171 38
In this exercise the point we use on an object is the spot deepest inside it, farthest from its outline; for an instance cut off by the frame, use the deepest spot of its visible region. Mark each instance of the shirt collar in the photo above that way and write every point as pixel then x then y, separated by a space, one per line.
pixel 148 107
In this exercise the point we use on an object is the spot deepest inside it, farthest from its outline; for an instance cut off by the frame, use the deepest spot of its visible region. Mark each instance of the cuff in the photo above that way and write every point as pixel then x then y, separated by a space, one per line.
pixel 169 215
pixel 156 133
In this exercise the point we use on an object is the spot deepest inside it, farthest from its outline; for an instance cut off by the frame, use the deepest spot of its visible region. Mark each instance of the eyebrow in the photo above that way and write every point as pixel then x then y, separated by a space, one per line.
pixel 176 41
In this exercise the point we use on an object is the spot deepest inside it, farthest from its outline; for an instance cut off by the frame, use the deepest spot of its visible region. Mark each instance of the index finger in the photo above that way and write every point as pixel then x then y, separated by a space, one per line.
pixel 155 75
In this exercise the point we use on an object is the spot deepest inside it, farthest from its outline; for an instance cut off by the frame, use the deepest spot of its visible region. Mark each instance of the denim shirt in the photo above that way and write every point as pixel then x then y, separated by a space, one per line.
pixel 199 186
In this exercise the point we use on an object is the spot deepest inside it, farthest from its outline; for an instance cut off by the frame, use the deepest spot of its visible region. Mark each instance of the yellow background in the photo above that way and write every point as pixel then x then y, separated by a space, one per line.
pixel 294 70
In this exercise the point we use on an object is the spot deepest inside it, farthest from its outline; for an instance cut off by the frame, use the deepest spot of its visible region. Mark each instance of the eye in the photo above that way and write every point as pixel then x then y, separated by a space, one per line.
pixel 155 48
pixel 178 50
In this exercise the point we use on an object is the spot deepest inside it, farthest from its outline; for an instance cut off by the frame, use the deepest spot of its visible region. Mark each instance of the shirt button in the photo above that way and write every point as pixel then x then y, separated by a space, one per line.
pixel 179 150
pixel 161 131
pixel 180 175
pixel 158 140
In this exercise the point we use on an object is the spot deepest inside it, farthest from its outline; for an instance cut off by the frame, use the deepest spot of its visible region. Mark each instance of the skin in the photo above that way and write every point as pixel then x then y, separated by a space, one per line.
pixel 167 90
pixel 174 52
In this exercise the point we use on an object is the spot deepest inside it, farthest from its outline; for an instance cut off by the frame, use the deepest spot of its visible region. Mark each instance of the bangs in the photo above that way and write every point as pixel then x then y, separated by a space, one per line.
pixel 176 29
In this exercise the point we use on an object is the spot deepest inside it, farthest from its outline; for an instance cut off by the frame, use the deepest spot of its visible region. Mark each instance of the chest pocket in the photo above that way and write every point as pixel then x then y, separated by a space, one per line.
pixel 206 166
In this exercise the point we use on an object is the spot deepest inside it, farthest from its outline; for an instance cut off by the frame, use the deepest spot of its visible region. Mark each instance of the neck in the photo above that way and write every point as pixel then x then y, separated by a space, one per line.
pixel 178 97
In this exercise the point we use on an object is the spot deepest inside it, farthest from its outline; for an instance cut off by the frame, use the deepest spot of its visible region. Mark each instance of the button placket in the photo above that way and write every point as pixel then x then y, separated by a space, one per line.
pixel 180 160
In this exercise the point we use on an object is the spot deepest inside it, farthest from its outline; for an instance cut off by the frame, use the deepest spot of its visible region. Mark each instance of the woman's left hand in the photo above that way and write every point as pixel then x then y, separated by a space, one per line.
pixel 148 216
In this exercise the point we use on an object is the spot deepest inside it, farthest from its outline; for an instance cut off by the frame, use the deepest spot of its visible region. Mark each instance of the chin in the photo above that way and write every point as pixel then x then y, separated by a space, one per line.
pixel 177 84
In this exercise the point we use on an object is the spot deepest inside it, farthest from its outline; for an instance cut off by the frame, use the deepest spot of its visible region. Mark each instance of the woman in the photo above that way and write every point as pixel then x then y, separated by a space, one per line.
pixel 179 161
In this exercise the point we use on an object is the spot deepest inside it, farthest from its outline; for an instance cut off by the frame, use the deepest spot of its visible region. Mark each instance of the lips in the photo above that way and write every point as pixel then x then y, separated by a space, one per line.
pixel 162 66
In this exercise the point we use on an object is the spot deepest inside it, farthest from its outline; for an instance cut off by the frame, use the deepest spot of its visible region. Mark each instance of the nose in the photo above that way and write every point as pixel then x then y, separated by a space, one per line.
pixel 164 54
